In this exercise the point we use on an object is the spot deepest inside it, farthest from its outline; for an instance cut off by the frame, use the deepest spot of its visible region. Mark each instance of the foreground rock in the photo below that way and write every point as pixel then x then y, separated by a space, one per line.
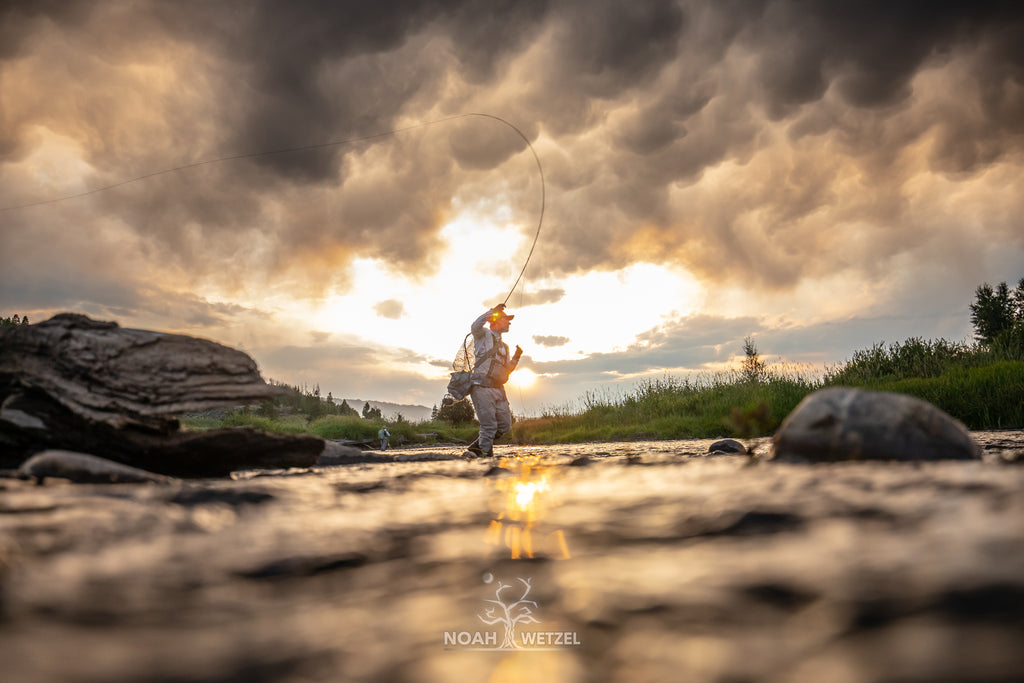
pixel 840 423
pixel 93 387
pixel 83 468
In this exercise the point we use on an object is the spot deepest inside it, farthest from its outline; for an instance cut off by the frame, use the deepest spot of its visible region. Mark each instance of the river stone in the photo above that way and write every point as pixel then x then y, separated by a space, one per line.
pixel 336 453
pixel 841 423
pixel 727 446
pixel 84 469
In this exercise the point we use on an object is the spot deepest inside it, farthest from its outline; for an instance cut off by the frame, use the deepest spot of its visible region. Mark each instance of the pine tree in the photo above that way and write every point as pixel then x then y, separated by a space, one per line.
pixel 994 310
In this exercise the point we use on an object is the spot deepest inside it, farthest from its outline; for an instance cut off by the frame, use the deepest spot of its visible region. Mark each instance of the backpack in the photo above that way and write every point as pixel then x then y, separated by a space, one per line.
pixel 461 382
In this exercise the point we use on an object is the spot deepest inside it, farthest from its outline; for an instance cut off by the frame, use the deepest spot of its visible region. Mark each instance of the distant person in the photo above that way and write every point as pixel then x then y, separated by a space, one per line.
pixel 491 369
pixel 383 435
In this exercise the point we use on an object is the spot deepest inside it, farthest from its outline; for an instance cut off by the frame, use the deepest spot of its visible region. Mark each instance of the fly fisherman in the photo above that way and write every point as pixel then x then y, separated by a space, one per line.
pixel 491 369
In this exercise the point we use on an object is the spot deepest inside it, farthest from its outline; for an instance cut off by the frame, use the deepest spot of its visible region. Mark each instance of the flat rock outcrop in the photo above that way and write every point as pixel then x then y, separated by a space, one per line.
pixel 77 384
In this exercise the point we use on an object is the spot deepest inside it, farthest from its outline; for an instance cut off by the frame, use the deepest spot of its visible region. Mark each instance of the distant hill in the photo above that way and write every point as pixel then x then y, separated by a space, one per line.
pixel 412 413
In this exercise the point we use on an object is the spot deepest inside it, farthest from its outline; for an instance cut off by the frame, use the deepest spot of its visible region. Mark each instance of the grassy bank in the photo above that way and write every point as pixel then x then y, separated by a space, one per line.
pixel 981 386
pixel 340 427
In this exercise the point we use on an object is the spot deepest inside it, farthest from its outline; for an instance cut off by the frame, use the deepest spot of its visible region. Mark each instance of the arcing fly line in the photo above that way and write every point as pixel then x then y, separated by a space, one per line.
pixel 304 148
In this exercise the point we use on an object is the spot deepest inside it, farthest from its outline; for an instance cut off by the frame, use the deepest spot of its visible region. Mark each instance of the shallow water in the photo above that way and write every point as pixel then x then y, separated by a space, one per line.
pixel 642 561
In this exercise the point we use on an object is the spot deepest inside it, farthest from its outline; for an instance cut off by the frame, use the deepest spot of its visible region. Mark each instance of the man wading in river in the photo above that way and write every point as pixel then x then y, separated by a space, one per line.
pixel 490 372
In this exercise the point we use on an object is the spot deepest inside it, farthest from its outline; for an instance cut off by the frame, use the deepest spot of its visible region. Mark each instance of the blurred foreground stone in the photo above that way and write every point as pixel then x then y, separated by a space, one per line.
pixel 655 562
pixel 93 387
pixel 841 423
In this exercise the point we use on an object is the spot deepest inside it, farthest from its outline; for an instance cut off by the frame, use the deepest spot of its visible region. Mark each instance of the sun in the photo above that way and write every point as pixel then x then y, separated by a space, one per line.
pixel 523 378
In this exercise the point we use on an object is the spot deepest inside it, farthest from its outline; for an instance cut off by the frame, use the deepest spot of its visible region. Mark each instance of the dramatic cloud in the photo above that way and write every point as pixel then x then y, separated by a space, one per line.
pixel 763 146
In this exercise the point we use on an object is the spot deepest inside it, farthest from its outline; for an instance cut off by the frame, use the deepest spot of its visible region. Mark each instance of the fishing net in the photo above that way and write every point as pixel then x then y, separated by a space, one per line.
pixel 464 359
pixel 462 373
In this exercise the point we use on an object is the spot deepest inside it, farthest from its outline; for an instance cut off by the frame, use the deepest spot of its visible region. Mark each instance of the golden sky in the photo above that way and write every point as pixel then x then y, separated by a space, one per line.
pixel 818 175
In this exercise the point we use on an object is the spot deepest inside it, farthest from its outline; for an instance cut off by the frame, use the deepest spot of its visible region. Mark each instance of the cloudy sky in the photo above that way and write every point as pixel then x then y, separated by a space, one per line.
pixel 820 175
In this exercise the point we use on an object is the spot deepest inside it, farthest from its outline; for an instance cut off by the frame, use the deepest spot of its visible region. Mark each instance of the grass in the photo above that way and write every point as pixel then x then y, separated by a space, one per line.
pixel 337 427
pixel 706 406
pixel 982 386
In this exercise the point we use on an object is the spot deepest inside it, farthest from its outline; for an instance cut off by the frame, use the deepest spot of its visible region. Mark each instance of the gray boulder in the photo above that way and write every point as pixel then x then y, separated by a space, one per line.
pixel 841 423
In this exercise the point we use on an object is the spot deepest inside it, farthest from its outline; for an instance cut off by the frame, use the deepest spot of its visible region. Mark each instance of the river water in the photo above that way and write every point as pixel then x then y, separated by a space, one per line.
pixel 641 561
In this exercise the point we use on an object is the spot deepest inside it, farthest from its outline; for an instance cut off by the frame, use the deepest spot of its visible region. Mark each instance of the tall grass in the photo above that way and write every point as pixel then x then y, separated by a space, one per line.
pixel 981 385
pixel 913 358
pixel 700 406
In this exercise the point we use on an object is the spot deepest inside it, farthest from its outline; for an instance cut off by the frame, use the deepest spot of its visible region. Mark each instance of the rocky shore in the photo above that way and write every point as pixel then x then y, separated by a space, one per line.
pixel 655 561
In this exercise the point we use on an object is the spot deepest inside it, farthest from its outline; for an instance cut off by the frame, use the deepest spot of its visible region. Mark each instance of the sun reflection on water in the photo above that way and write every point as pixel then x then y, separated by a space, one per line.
pixel 519 505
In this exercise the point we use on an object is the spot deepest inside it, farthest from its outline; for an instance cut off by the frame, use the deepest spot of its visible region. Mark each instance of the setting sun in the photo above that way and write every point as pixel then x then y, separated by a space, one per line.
pixel 523 378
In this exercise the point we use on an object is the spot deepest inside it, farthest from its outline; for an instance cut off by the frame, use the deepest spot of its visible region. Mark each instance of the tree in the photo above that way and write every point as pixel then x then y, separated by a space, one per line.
pixel 995 311
pixel 331 409
pixel 753 368
pixel 1018 301
pixel 345 410
pixel 460 412
pixel 315 406
pixel 371 413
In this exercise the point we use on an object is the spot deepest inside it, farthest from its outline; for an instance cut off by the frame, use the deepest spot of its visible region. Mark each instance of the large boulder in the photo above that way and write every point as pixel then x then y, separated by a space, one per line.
pixel 841 423
pixel 76 384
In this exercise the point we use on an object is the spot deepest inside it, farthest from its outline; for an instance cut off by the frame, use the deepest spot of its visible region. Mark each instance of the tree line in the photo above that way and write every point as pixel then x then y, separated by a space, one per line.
pixel 295 400
pixel 13 321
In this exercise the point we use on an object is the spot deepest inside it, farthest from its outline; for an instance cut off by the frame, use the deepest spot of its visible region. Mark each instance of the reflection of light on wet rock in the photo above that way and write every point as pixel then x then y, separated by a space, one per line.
pixel 210 518
pixel 556 667
pixel 525 492
pixel 519 508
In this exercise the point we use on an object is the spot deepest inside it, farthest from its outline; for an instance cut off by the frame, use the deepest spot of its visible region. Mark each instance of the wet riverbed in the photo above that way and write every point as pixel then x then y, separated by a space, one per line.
pixel 601 562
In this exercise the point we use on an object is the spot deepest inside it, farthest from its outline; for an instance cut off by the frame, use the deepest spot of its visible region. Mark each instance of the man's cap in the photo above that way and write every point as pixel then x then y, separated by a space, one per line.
pixel 498 316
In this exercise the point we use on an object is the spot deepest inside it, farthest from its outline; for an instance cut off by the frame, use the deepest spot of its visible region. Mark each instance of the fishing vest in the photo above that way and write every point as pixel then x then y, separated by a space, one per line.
pixel 492 358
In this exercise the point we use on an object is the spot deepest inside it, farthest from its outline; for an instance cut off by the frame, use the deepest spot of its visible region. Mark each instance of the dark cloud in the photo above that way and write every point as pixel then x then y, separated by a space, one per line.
pixel 550 340
pixel 391 309
pixel 538 297
pixel 759 142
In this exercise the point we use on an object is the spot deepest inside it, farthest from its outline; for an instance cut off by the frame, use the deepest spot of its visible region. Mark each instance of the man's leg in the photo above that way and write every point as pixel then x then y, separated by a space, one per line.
pixel 502 415
pixel 484 404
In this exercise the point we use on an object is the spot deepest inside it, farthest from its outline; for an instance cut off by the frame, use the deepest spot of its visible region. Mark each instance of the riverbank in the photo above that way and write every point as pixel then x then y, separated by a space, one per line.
pixel 663 563
pixel 980 391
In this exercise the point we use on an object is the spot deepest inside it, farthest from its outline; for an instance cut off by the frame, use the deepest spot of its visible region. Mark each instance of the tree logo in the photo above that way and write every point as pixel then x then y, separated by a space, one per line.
pixel 511 607
pixel 510 612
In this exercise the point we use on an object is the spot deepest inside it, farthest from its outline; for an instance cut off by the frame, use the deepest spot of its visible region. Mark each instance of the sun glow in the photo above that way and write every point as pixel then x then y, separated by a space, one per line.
pixel 523 378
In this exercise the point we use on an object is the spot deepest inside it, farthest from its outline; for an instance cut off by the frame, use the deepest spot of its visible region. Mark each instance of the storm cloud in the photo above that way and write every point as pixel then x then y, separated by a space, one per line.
pixel 758 144
pixel 784 103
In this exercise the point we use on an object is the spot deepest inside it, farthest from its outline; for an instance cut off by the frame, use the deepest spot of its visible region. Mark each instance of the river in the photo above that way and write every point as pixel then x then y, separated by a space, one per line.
pixel 641 561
